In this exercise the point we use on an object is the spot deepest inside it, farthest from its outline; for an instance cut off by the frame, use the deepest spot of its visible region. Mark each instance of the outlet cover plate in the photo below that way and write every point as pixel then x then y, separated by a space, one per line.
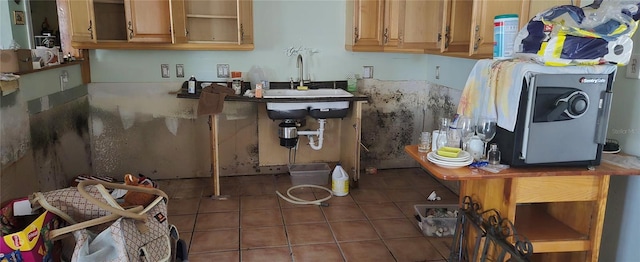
pixel 223 70
pixel 367 72
pixel 180 70
pixel 164 70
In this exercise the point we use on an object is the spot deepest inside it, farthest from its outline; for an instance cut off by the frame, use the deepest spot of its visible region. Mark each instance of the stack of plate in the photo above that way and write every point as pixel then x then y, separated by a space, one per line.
pixel 463 159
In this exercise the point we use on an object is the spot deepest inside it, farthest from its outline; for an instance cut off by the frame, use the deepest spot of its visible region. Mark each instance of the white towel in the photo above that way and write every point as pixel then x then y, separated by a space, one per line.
pixel 493 87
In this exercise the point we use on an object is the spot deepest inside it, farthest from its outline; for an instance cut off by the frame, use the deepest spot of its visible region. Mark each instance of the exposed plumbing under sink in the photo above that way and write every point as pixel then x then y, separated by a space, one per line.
pixel 288 133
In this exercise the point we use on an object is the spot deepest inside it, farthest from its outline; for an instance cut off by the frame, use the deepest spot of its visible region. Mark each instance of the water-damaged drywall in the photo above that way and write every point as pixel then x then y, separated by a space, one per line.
pixel 14 130
pixel 144 128
pixel 398 111
pixel 60 143
pixel 44 140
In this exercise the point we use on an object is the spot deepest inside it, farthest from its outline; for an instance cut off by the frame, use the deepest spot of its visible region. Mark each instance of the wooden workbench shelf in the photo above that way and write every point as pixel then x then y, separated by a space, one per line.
pixel 559 209
pixel 546 233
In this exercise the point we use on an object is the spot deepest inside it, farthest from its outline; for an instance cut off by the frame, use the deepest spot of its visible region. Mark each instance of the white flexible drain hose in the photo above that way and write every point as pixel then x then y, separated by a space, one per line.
pixel 299 201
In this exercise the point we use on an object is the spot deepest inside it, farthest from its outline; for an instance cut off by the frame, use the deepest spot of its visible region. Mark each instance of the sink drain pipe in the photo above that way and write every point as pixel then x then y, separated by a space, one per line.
pixel 319 133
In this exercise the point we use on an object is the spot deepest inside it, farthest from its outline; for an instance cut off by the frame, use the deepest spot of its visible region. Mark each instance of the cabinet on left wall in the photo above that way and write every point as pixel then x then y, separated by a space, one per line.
pixel 157 24
pixel 95 21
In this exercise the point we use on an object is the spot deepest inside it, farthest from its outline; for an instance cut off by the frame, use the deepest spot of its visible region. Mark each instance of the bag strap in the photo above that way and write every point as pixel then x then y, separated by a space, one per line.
pixel 113 210
pixel 39 197
pixel 57 233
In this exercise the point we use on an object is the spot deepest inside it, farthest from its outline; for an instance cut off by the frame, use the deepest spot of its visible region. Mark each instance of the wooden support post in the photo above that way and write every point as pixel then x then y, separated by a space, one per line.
pixel 213 128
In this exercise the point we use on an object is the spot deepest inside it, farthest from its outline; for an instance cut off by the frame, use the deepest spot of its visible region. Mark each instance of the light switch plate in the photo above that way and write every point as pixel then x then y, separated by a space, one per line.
pixel 367 72
pixel 223 70
pixel 164 70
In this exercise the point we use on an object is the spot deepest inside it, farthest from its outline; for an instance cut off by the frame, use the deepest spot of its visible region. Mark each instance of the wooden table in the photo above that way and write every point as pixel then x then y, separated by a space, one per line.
pixel 559 209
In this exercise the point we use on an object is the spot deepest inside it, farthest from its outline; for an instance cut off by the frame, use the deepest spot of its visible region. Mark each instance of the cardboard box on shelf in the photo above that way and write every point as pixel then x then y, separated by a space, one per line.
pixel 12 61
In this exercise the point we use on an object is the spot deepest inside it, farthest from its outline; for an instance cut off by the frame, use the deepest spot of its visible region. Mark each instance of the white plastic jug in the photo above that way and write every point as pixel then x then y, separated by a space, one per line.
pixel 339 181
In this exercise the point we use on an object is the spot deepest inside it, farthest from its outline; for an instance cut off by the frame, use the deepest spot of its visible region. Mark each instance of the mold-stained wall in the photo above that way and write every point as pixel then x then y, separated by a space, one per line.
pixel 60 143
pixel 398 111
pixel 144 128
pixel 14 131
pixel 44 140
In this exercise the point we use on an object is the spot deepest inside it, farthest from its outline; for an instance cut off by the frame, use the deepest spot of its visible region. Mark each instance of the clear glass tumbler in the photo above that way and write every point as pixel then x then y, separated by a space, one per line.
pixel 425 142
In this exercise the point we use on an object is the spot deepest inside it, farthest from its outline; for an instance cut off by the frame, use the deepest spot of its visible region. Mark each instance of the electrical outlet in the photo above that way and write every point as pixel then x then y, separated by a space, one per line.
pixel 437 72
pixel 633 67
pixel 367 72
pixel 223 70
pixel 180 70
pixel 164 68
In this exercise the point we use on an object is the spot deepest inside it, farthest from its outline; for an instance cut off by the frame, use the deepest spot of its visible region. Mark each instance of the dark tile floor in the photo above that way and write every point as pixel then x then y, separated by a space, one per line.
pixel 375 222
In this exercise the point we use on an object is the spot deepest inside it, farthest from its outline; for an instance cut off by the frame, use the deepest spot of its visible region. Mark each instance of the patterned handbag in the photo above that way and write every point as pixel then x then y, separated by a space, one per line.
pixel 137 234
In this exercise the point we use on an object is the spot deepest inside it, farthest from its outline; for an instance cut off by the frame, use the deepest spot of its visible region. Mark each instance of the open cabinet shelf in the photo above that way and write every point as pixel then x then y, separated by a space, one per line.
pixel 546 233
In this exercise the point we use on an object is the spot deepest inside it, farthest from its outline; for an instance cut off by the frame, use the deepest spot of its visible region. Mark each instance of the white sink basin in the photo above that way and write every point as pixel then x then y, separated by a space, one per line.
pixel 311 93
pixel 283 110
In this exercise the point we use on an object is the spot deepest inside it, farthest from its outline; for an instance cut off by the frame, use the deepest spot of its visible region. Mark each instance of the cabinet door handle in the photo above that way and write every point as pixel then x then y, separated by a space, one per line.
pixel 241 34
pixel 355 34
pixel 477 38
pixel 386 35
pixel 446 37
pixel 90 29
pixel 130 30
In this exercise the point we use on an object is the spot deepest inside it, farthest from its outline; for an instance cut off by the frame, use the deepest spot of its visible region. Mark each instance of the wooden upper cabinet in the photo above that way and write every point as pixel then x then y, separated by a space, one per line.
pixel 95 22
pixel 482 23
pixel 148 21
pixel 484 12
pixel 420 24
pixel 82 26
pixel 392 25
pixel 224 22
pixel 365 28
pixel 162 24
pixel 462 28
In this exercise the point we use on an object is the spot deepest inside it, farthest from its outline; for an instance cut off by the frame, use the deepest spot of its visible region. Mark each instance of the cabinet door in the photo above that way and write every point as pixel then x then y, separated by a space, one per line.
pixel 391 23
pixel 367 24
pixel 148 21
pixel 82 21
pixel 456 25
pixel 245 17
pixel 213 22
pixel 482 22
pixel 179 19
pixel 420 24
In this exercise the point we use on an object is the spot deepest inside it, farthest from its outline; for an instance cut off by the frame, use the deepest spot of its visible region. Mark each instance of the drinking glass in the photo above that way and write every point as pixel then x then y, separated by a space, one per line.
pixel 425 142
pixel 467 130
pixel 442 134
pixel 486 131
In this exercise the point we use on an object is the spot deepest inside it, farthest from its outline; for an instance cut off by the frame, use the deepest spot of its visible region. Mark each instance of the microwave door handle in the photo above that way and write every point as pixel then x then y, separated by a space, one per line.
pixel 602 123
